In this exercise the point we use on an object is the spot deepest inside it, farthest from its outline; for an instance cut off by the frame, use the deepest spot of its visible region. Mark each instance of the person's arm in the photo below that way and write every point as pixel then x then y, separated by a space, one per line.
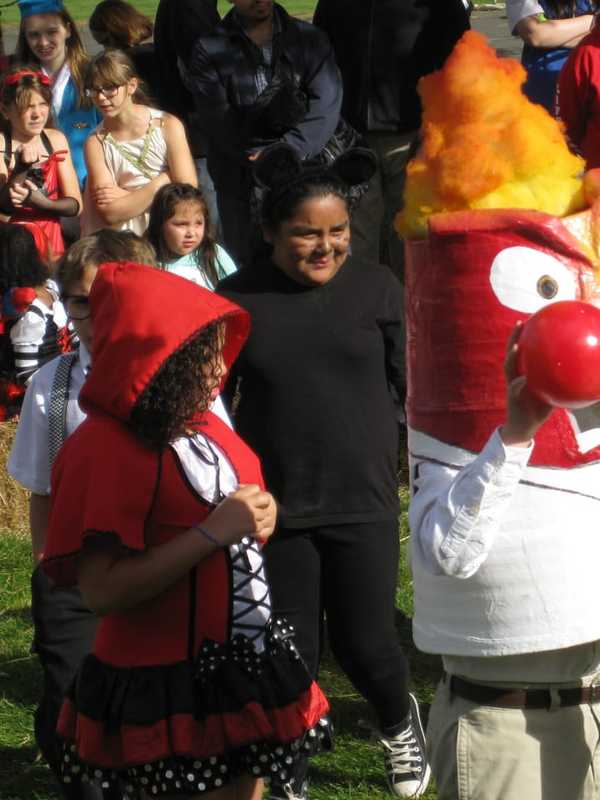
pixel 575 94
pixel 455 513
pixel 554 32
pixel 69 203
pixel 216 117
pixel 179 157
pixel 114 204
pixel 111 581
pixel 392 327
pixel 39 513
pixel 324 87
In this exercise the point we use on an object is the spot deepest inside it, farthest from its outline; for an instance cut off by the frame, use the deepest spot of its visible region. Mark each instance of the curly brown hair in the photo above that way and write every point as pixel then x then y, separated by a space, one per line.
pixel 181 387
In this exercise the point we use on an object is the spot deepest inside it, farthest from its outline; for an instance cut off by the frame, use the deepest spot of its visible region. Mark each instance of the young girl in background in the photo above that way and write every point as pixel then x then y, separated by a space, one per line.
pixel 134 151
pixel 48 37
pixel 181 233
pixel 37 178
pixel 115 23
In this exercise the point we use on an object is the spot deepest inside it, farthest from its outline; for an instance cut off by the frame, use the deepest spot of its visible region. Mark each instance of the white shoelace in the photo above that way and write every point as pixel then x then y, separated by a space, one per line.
pixel 402 752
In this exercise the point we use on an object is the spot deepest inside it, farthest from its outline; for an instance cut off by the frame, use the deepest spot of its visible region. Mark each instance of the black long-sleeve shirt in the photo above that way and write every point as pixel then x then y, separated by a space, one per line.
pixel 315 392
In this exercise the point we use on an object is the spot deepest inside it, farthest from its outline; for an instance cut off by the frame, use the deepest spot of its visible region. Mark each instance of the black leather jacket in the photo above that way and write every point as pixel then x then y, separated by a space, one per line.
pixel 382 48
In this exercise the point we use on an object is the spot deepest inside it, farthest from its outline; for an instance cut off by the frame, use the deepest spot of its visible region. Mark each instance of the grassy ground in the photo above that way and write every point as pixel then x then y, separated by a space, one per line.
pixel 354 771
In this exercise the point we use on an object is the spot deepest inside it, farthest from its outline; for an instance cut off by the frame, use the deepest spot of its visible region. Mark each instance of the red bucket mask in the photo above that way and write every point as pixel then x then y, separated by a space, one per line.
pixel 467 284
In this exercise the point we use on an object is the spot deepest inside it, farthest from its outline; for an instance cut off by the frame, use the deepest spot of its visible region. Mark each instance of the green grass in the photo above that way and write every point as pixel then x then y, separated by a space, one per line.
pixel 354 771
pixel 82 9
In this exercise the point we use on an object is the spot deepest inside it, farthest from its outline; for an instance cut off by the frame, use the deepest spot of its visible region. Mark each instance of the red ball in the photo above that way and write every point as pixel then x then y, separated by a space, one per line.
pixel 559 353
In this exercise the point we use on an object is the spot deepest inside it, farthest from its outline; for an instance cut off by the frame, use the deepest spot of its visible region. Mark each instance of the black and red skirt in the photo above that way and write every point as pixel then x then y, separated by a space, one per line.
pixel 193 727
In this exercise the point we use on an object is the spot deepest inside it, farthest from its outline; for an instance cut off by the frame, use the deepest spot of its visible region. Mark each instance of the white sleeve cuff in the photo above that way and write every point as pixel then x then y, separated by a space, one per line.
pixel 516 10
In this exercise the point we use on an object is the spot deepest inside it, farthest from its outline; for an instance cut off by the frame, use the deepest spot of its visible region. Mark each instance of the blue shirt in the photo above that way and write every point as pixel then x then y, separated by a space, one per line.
pixel 187 267
pixel 76 123
pixel 543 64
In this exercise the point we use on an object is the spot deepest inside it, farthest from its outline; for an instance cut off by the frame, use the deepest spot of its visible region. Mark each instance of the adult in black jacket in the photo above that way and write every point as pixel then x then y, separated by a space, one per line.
pixel 260 77
pixel 177 26
pixel 382 48
pixel 318 379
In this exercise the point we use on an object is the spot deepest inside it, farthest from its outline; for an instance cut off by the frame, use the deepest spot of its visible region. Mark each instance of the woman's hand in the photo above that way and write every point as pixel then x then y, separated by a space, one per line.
pixel 525 412
pixel 19 194
pixel 28 154
pixel 246 512
pixel 105 195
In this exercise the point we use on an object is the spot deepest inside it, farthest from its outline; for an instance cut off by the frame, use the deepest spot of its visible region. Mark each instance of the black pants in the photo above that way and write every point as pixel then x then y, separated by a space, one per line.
pixel 348 573
pixel 64 633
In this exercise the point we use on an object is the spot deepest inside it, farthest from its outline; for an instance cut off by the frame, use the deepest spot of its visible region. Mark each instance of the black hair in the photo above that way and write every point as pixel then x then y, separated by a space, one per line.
pixel 181 387
pixel 279 206
pixel 163 208
pixel 20 261
pixel 286 181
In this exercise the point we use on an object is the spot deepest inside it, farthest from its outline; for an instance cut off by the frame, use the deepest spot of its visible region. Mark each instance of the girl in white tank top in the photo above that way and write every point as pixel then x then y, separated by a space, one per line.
pixel 133 152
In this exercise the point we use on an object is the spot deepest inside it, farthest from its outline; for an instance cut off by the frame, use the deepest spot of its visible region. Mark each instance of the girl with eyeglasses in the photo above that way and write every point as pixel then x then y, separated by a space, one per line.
pixel 49 39
pixel 134 151
pixel 38 183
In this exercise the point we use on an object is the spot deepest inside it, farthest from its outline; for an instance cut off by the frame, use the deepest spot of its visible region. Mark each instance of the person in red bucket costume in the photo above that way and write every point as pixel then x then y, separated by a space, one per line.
pixel 505 505
pixel 192 689
pixel 504 537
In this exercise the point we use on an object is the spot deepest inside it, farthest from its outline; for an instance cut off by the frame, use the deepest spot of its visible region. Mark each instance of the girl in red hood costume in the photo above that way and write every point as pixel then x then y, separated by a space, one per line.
pixel 192 689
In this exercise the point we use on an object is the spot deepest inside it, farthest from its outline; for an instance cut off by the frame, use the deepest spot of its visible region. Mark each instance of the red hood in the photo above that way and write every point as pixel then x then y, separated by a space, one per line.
pixel 141 315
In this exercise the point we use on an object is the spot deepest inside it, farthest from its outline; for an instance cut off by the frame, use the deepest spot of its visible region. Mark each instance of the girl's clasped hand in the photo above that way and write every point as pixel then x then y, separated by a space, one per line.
pixel 248 511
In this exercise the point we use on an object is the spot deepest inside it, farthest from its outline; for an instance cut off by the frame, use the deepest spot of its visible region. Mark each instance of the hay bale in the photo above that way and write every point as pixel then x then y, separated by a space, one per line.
pixel 14 500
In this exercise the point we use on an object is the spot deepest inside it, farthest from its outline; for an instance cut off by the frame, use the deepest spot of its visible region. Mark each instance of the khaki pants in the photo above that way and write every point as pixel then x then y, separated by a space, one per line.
pixel 484 753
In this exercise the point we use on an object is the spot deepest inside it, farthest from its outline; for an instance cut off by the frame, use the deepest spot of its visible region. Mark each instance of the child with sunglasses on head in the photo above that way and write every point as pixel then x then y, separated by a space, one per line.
pixel 64 628
pixel 49 38
pixel 37 178
pixel 134 151
pixel 181 233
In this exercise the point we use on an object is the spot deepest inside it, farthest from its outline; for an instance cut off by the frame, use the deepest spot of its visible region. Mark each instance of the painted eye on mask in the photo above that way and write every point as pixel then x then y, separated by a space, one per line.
pixel 526 279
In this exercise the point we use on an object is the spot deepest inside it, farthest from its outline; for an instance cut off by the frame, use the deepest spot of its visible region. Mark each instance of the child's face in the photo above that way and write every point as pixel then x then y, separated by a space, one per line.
pixel 184 231
pixel 75 299
pixel 112 99
pixel 47 36
pixel 32 120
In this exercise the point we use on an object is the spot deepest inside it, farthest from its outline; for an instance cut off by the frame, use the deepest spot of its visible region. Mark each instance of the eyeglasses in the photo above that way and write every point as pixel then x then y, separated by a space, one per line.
pixel 77 306
pixel 107 91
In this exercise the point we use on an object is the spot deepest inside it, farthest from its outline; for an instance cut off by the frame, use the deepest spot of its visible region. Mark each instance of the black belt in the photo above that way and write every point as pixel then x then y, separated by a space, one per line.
pixel 522 698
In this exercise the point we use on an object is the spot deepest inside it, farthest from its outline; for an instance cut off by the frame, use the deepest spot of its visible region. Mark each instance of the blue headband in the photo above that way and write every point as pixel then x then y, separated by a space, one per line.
pixel 30 7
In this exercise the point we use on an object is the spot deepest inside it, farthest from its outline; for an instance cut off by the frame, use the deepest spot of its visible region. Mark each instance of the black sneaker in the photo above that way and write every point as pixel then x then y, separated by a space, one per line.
pixel 406 766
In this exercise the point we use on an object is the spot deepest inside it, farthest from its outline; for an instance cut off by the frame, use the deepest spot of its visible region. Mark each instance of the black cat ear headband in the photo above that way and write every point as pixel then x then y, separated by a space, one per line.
pixel 279 167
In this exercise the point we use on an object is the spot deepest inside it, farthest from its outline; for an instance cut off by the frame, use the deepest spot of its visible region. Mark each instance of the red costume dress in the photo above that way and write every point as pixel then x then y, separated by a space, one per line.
pixel 49 238
pixel 184 691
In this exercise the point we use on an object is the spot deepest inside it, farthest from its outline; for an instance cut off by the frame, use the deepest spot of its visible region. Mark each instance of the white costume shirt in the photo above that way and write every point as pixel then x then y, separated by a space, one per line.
pixel 29 461
pixel 504 556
